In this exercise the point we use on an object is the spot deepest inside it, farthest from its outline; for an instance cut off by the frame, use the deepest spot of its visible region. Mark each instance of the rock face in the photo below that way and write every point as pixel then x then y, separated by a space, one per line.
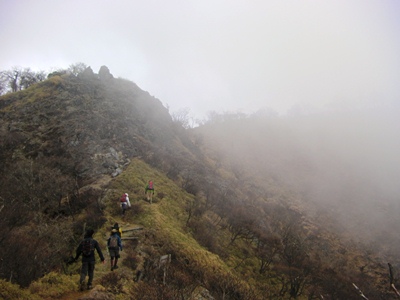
pixel 87 73
pixel 104 74
pixel 86 125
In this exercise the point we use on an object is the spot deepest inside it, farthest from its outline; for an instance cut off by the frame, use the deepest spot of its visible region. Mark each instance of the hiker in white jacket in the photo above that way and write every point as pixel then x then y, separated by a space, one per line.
pixel 125 203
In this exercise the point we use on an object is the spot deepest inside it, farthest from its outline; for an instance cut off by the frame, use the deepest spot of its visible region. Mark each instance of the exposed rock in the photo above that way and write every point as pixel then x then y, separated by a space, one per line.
pixel 87 73
pixel 57 73
pixel 114 153
pixel 201 293
pixel 83 126
pixel 116 173
pixel 104 74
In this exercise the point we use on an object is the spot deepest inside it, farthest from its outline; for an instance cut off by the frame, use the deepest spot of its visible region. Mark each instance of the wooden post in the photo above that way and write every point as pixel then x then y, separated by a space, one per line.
pixel 391 277
pixel 137 228
pixel 164 263
pixel 360 292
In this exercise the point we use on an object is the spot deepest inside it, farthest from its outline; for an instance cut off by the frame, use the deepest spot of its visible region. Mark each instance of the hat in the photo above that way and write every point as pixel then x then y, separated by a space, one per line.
pixel 114 230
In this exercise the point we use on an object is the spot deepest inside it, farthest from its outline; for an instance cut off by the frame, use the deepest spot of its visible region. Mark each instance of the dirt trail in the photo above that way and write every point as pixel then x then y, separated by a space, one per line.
pixel 129 230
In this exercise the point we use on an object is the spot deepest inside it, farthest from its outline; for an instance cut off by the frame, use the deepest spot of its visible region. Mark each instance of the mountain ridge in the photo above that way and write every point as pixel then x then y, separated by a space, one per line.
pixel 71 144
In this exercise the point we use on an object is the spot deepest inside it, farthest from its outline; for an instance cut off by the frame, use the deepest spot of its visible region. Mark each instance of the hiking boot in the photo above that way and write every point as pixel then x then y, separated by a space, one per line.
pixel 89 286
pixel 115 267
pixel 81 286
pixel 112 268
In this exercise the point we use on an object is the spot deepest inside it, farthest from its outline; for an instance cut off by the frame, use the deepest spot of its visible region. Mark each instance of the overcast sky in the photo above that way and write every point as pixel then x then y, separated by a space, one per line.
pixel 221 55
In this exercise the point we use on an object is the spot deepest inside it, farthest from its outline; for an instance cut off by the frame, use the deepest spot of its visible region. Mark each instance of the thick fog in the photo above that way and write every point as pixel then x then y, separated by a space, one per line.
pixel 366 142
pixel 344 166
pixel 354 167
pixel 218 55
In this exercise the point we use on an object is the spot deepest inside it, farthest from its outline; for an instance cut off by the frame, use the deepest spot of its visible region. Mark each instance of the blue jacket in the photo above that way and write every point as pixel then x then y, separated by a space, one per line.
pixel 119 241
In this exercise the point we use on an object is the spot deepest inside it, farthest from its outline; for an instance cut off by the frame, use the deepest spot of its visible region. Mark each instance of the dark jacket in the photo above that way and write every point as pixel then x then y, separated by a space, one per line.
pixel 91 257
pixel 119 241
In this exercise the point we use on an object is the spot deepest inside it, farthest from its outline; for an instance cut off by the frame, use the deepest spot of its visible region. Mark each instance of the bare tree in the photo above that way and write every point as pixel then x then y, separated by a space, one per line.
pixel 18 79
pixel 29 77
pixel 183 118
pixel 242 222
pixel 11 78
pixel 268 246
pixel 77 68
pixel 294 256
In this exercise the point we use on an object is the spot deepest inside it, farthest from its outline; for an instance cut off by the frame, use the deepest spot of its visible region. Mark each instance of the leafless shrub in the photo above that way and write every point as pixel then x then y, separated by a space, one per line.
pixel 112 282
pixel 150 291
pixel 131 260
pixel 136 209
pixel 95 219
pixel 160 195
pixel 204 234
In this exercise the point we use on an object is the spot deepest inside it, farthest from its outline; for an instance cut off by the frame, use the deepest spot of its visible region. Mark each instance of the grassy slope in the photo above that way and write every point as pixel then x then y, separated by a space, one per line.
pixel 167 216
pixel 164 220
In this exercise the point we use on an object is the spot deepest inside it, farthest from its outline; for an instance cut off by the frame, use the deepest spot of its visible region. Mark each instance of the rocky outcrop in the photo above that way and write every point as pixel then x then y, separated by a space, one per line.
pixel 86 126
pixel 87 73
pixel 104 74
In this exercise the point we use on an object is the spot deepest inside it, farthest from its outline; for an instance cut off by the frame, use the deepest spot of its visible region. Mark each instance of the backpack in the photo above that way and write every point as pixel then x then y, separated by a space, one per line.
pixel 87 247
pixel 113 242
pixel 123 198
pixel 150 185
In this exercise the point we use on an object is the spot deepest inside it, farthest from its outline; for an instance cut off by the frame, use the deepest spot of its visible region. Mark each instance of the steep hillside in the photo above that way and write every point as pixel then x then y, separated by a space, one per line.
pixel 56 138
pixel 71 145
pixel 97 125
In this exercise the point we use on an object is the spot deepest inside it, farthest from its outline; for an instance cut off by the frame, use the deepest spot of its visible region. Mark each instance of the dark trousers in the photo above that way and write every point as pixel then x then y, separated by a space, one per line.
pixel 87 268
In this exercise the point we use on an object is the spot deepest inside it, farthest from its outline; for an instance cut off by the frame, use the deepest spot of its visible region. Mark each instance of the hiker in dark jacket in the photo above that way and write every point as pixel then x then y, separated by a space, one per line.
pixel 88 259
pixel 114 245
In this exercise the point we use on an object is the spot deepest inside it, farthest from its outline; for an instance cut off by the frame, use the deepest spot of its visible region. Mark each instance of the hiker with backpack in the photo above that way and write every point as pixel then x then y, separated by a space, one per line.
pixel 86 248
pixel 149 191
pixel 114 245
pixel 119 230
pixel 125 203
